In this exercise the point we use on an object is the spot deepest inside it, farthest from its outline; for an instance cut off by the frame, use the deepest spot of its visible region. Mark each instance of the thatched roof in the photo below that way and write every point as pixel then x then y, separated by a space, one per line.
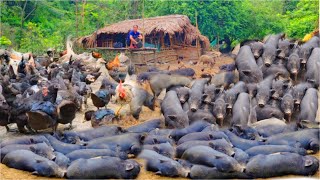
pixel 170 24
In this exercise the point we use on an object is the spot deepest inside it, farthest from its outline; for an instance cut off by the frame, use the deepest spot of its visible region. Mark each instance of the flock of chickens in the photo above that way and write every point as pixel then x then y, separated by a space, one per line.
pixel 38 93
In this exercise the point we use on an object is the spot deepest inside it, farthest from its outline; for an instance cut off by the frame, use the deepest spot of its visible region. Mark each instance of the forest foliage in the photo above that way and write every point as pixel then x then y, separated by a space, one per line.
pixel 37 25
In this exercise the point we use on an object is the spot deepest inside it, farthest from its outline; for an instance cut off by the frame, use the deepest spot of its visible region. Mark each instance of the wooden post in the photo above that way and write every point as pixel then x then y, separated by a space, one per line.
pixel 162 39
pixel 143 30
pixel 171 41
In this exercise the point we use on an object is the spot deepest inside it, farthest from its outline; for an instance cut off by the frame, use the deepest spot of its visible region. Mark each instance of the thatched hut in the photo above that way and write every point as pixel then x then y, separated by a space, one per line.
pixel 173 36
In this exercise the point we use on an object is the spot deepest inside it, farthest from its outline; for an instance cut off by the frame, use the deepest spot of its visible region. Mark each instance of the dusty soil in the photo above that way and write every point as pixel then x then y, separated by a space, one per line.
pixel 126 121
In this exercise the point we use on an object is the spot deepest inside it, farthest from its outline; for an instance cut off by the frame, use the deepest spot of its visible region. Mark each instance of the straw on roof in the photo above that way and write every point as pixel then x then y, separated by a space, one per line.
pixel 170 24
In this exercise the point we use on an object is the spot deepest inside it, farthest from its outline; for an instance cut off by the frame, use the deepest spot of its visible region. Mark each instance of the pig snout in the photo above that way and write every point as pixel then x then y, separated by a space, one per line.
pixel 229 106
pixel 219 116
pixel 184 172
pixel 275 96
pixel 294 71
pixel 256 55
pixel 268 64
pixel 281 55
pixel 287 112
pixel 207 100
pixel 193 109
pixel 261 103
pixel 182 100
pixel 61 173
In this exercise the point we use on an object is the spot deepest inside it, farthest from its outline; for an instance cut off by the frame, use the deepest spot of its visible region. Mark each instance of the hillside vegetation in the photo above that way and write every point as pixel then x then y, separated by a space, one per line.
pixel 36 25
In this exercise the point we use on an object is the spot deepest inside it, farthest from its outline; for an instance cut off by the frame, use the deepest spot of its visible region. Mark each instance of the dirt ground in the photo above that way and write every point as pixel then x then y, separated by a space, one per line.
pixel 127 121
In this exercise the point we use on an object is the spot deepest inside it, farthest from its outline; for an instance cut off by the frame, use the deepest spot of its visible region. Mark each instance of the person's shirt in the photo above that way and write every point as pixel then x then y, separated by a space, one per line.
pixel 135 35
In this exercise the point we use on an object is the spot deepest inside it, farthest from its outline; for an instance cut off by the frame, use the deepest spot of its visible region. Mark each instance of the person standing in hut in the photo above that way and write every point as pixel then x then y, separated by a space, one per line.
pixel 134 38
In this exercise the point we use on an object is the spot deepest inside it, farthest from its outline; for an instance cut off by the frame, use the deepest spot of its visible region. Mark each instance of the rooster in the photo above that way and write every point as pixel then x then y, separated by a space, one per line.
pixel 123 96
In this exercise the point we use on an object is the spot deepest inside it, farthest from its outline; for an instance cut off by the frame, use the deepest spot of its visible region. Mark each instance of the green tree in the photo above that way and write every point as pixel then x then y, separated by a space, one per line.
pixel 34 25
pixel 303 19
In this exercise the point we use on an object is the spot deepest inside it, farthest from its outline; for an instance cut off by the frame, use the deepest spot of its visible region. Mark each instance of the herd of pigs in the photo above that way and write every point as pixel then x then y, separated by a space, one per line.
pixel 256 118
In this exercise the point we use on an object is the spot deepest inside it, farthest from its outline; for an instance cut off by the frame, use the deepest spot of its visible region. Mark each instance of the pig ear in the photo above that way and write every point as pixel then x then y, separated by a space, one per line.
pixel 246 72
pixel 121 129
pixel 156 149
pixel 143 137
pixel 238 127
pixel 306 88
pixel 285 85
pixel 129 166
pixel 312 81
pixel 155 141
pixel 39 160
pixel 205 119
pixel 291 45
pixel 218 90
pixel 204 96
pixel 308 162
pixel 162 161
pixel 172 117
pixel 218 157
pixel 272 91
pixel 211 145
pixel 311 49
pixel 32 149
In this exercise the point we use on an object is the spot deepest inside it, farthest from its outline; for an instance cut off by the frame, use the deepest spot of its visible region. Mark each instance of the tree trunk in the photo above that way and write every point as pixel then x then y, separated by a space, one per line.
pixel 22 20
pixel 134 9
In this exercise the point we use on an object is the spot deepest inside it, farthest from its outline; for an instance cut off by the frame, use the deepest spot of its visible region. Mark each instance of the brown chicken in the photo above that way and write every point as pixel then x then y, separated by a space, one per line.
pixel 96 54
pixel 62 53
pixel 113 64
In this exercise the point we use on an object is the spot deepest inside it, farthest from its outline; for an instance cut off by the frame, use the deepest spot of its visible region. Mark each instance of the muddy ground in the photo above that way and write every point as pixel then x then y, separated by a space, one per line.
pixel 126 121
